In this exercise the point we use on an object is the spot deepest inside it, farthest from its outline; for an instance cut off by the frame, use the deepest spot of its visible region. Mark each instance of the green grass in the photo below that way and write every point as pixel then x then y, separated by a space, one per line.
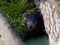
pixel 14 12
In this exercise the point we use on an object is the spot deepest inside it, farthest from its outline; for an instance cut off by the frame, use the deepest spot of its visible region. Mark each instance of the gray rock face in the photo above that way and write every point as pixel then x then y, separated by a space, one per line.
pixel 52 21
pixel 7 34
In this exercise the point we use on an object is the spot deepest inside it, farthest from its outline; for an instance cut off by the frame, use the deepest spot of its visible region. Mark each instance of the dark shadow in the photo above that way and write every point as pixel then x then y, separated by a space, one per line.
pixel 42 40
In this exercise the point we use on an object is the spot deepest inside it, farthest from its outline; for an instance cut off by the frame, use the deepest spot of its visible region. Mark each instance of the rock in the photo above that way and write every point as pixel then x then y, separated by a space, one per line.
pixel 51 21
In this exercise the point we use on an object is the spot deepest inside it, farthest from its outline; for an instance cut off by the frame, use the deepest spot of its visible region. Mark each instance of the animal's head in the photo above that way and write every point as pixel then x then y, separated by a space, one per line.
pixel 31 20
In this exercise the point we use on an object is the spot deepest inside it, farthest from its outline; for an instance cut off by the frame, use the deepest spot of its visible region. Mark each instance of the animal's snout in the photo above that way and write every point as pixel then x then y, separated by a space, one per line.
pixel 30 27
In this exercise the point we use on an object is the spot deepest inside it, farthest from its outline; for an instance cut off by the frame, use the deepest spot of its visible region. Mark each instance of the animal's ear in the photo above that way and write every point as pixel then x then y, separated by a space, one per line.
pixel 25 15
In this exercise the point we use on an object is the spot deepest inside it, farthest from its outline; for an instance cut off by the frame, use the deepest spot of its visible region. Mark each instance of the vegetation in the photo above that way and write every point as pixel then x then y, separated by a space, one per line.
pixel 14 10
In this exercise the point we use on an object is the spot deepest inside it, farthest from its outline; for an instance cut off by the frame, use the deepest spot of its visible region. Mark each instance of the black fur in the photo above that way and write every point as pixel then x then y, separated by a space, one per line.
pixel 39 26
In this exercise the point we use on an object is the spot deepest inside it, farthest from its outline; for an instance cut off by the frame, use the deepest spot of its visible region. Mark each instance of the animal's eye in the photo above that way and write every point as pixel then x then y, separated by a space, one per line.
pixel 27 20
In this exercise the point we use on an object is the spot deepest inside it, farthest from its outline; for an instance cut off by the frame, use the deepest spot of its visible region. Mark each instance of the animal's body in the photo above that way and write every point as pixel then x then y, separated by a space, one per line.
pixel 34 25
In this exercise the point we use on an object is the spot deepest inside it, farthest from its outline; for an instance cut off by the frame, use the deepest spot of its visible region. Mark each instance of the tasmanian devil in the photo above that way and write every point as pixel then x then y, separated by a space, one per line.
pixel 34 25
